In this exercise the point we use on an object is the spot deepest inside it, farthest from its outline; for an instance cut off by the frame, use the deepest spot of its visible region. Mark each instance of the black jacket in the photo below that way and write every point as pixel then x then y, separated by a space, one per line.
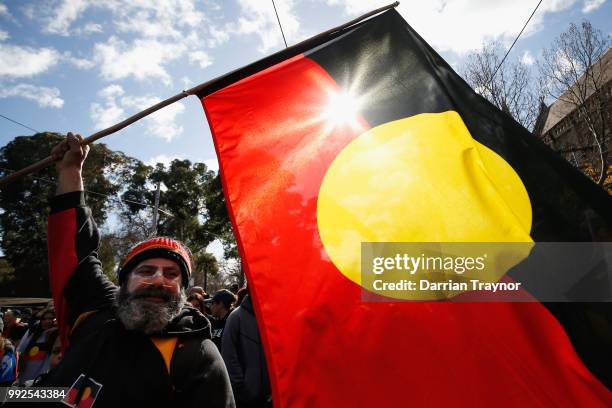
pixel 244 357
pixel 126 363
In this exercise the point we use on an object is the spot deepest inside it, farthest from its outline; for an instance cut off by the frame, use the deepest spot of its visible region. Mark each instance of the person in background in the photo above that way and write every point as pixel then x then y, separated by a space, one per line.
pixel 8 363
pixel 56 351
pixel 221 305
pixel 242 292
pixel 196 300
pixel 197 289
pixel 28 317
pixel 244 358
pixel 35 348
pixel 14 329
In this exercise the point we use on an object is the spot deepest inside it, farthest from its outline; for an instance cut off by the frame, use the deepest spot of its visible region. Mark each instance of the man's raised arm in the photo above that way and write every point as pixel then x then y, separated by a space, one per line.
pixel 77 281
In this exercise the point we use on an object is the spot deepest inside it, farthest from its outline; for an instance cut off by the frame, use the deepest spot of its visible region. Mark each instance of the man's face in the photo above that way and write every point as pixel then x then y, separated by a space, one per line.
pixel 56 353
pixel 151 296
pixel 155 272
pixel 47 321
pixel 215 309
pixel 9 318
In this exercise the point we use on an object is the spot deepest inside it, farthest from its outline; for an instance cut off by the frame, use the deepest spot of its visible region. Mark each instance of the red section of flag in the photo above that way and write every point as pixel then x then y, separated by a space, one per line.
pixel 61 267
pixel 325 347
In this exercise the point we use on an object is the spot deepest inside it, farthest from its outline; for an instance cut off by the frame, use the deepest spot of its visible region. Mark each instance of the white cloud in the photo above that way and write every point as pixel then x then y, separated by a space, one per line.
pixel 109 112
pixel 162 123
pixel 3 35
pixel 111 92
pixel 142 24
pixel 216 248
pixel 45 97
pixel 258 18
pixel 89 28
pixel 163 159
pixel 151 19
pixel 158 32
pixel 142 59
pixel 115 106
pixel 201 57
pixel 16 61
pixel 4 11
pixel 157 19
pixel 463 25
pixel 80 63
pixel 591 5
pixel 352 7
pixel 218 36
pixel 212 164
pixel 527 58
pixel 187 82
pixel 64 15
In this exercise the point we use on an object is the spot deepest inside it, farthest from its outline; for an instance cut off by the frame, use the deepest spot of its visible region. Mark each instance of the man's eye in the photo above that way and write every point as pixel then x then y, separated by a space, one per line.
pixel 172 274
pixel 145 272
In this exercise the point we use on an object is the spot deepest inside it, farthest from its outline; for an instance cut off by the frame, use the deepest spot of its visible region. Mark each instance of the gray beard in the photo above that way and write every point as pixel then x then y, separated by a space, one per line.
pixel 138 314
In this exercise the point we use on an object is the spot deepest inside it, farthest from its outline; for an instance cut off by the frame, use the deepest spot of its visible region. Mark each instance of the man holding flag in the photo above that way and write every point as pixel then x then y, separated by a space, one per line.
pixel 136 345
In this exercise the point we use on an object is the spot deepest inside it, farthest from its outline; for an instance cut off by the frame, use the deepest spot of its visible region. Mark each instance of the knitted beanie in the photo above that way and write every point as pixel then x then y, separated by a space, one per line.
pixel 158 247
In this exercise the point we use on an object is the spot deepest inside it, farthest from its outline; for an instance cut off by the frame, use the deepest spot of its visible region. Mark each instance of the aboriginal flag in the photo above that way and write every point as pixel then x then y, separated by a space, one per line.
pixel 367 135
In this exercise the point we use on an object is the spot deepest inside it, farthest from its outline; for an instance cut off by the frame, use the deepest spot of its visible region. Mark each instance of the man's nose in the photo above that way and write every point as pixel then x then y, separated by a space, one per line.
pixel 157 278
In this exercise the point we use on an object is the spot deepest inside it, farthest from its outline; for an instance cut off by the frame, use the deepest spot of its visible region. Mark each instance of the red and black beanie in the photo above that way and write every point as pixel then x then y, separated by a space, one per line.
pixel 158 247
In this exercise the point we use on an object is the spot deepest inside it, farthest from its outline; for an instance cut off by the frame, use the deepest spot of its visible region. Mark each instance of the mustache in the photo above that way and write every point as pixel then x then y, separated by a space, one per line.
pixel 152 291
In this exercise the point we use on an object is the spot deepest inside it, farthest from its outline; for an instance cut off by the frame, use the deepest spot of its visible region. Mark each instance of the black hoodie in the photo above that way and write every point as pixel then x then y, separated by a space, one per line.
pixel 125 367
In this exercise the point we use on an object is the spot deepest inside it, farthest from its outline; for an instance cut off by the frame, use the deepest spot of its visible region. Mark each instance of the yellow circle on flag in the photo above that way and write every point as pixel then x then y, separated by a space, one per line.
pixel 420 179
pixel 86 393
pixel 34 351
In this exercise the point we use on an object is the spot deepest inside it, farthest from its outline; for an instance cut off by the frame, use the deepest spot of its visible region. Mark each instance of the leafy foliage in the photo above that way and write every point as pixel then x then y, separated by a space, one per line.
pixel 192 209
pixel 25 205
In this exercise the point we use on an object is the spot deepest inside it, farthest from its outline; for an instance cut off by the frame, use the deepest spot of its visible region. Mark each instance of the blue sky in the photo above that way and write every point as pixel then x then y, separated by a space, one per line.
pixel 83 65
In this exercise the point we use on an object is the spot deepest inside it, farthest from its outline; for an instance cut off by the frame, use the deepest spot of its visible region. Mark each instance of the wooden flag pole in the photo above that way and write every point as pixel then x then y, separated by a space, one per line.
pixel 193 91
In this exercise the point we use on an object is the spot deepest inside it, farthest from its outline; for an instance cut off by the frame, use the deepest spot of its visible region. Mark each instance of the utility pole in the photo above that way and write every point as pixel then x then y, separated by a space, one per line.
pixel 157 192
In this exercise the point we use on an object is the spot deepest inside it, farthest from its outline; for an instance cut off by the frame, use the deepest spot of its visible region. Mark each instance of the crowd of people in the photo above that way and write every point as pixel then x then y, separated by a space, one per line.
pixel 31 347
pixel 29 343
pixel 150 341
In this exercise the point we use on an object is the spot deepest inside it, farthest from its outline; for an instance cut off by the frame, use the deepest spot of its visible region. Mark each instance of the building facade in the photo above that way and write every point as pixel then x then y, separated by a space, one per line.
pixel 570 124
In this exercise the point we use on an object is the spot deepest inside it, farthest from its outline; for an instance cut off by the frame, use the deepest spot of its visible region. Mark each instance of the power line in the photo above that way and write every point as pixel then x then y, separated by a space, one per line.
pixel 19 123
pixel 116 197
pixel 515 40
pixel 279 23
pixel 100 194
pixel 169 214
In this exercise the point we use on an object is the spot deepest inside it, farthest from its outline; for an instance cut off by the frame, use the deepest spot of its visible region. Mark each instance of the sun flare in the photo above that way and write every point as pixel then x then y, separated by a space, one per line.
pixel 343 109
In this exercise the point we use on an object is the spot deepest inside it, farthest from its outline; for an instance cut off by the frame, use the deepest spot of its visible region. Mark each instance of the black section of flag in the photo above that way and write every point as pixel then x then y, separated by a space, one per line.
pixel 380 62
pixel 385 61
pixel 400 75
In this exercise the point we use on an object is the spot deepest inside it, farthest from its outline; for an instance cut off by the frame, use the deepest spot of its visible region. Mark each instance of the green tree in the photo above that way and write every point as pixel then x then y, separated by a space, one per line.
pixel 184 214
pixel 205 267
pixel 25 205
pixel 192 209
pixel 218 220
